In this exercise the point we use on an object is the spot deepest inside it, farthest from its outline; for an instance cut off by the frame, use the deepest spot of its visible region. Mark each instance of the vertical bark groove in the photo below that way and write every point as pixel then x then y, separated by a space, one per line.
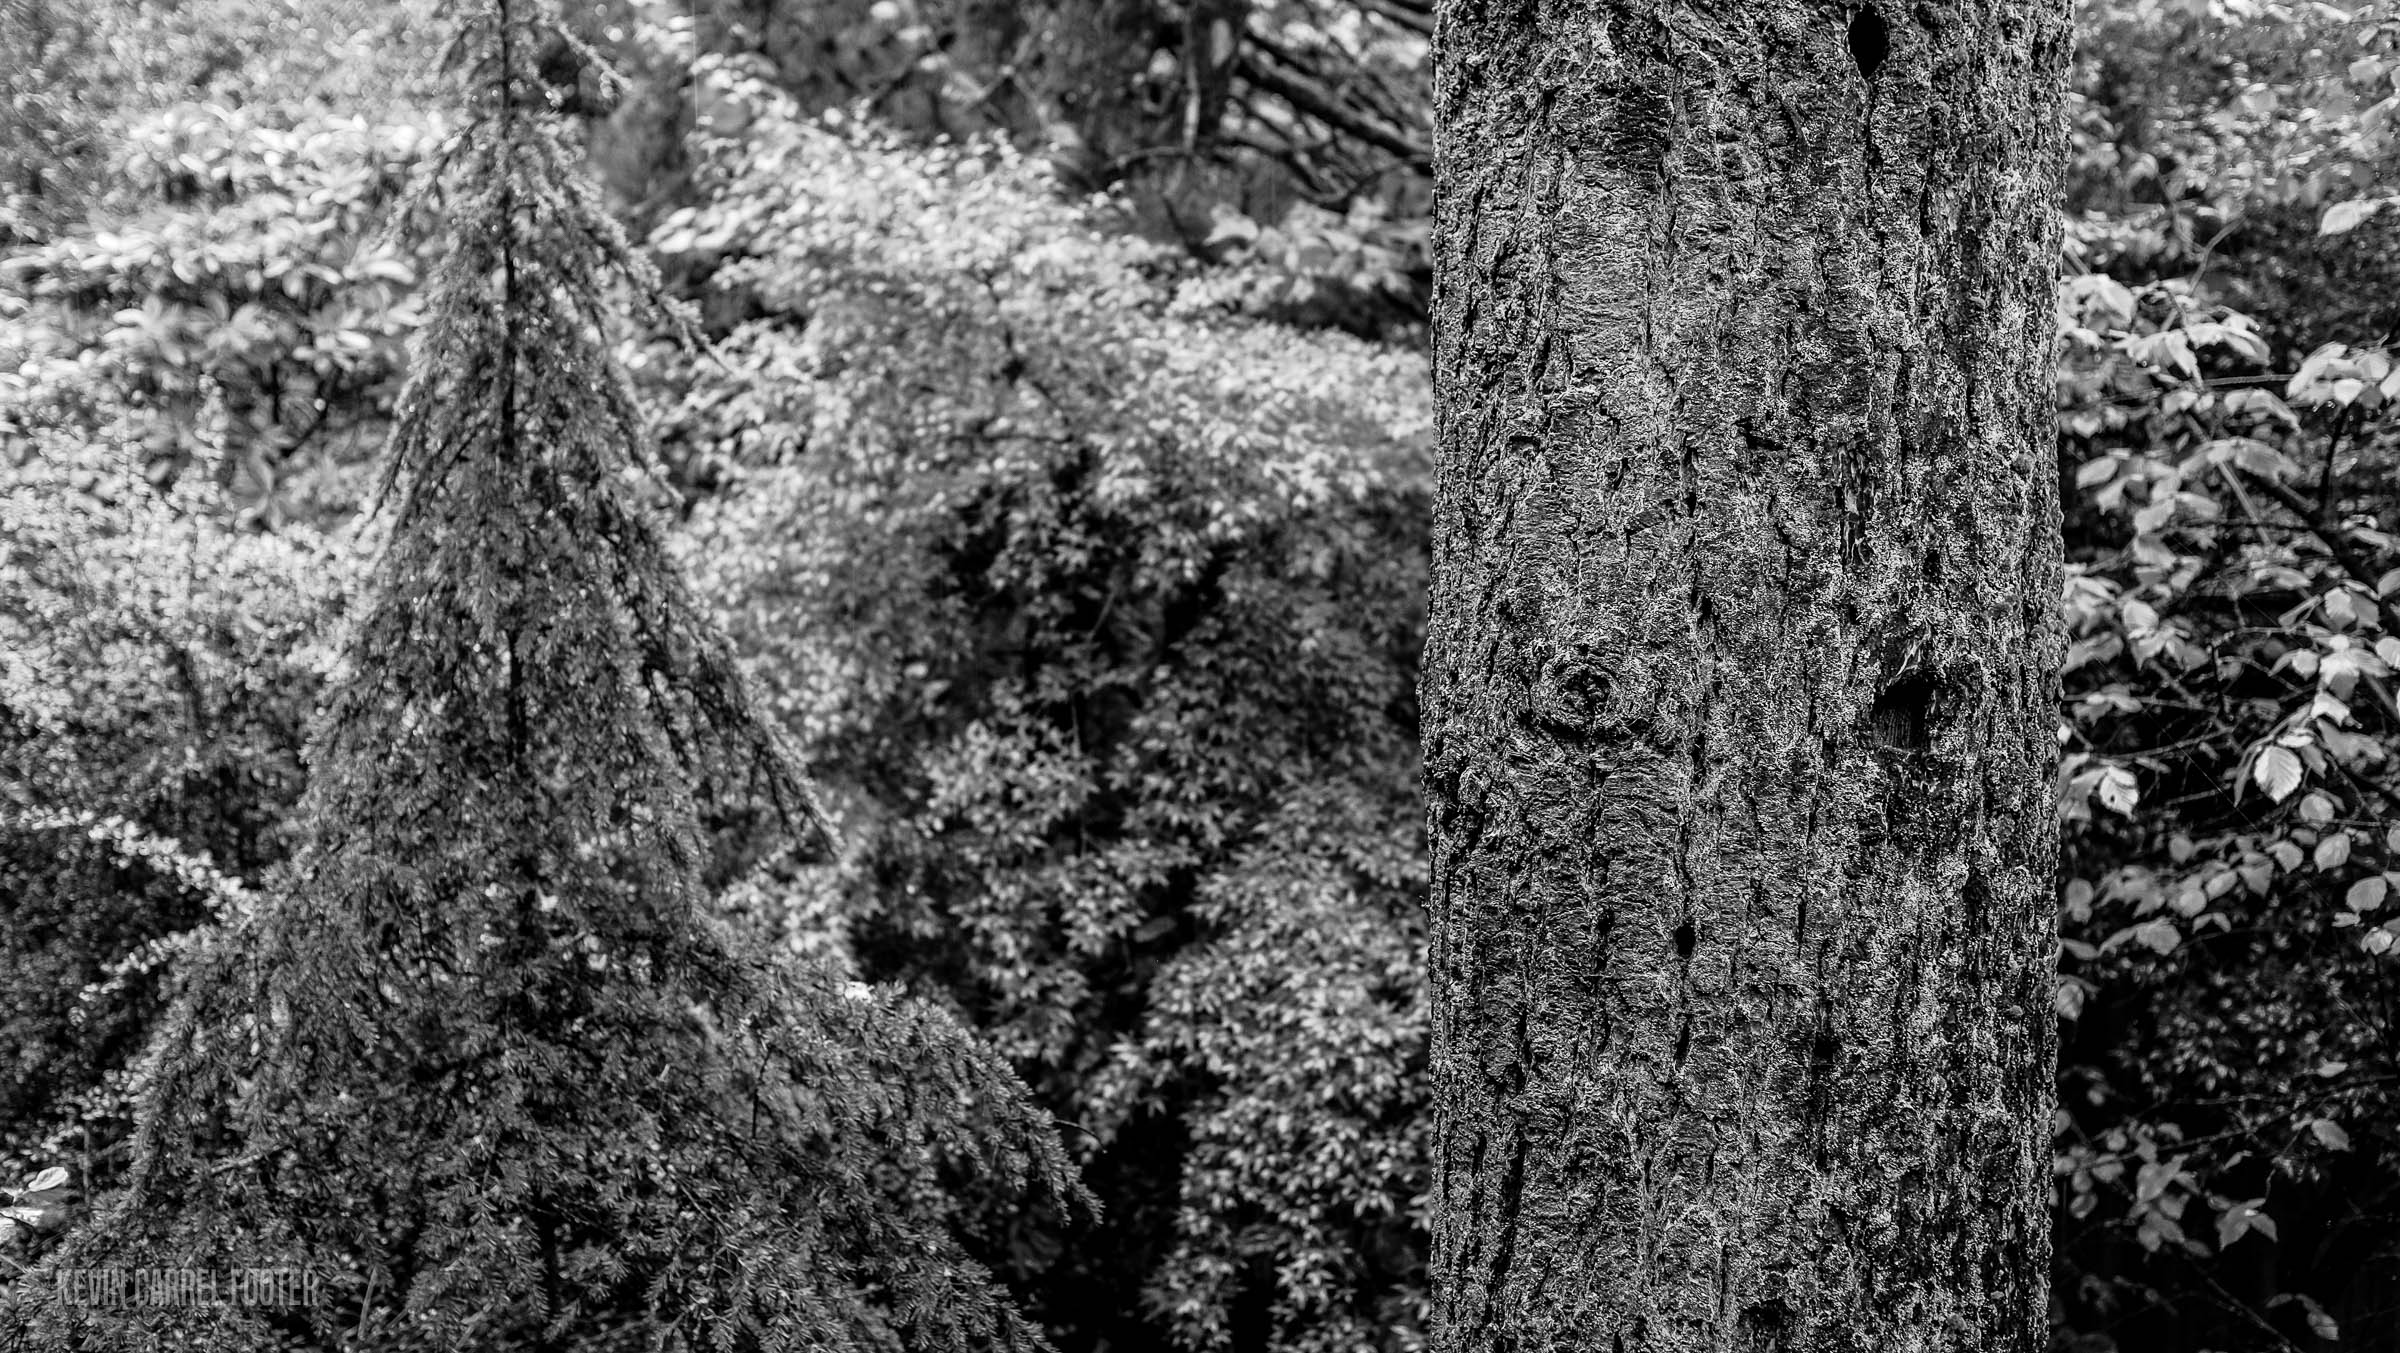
pixel 1739 686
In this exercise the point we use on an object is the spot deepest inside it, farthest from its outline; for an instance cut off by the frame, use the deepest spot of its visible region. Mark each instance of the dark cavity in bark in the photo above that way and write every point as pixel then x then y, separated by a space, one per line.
pixel 1870 41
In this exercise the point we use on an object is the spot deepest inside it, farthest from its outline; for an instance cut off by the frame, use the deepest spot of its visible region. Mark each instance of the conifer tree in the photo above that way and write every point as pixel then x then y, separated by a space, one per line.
pixel 485 1066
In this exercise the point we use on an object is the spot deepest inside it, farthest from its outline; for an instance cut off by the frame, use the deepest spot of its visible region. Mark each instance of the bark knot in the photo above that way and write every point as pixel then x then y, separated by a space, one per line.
pixel 1575 693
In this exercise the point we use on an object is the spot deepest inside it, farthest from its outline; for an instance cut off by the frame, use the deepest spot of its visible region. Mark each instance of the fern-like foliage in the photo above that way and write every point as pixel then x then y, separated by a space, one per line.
pixel 486 1066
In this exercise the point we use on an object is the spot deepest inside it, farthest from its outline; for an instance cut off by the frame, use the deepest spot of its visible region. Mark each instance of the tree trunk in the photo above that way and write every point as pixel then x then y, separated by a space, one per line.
pixel 1739 691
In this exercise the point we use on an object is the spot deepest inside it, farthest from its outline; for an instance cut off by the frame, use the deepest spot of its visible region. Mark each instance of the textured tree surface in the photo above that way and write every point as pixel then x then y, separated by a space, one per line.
pixel 1739 692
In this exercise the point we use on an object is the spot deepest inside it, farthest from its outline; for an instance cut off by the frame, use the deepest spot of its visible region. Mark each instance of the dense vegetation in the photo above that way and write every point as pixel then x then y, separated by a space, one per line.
pixel 1073 545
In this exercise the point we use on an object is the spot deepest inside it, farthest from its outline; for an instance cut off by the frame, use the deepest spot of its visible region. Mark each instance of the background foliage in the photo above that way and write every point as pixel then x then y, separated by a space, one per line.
pixel 1078 540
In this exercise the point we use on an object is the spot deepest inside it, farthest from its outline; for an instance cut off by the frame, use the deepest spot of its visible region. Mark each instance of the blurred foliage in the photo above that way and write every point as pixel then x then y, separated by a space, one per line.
pixel 254 271
pixel 1323 98
pixel 78 70
pixel 1079 541
pixel 1216 121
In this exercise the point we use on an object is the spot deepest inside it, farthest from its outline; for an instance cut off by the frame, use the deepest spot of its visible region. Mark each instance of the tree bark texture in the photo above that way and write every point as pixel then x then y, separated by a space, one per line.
pixel 1739 694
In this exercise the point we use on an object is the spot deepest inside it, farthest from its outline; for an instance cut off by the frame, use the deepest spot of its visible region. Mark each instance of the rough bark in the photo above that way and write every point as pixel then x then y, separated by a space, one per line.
pixel 1739 690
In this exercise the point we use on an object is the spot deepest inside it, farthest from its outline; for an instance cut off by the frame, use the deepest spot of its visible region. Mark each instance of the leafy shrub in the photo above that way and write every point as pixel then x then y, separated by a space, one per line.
pixel 1098 616
pixel 2228 779
pixel 157 669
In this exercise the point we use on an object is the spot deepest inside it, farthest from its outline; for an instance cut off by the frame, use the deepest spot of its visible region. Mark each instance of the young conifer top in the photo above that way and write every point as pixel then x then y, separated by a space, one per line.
pixel 486 1068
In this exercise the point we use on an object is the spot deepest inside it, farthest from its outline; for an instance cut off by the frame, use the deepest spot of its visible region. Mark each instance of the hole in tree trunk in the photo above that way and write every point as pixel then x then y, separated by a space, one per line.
pixel 1902 714
pixel 1765 1327
pixel 1686 939
pixel 1870 41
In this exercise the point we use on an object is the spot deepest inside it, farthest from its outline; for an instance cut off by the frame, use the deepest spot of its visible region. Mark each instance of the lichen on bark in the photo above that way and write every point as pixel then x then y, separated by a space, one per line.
pixel 1739 683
